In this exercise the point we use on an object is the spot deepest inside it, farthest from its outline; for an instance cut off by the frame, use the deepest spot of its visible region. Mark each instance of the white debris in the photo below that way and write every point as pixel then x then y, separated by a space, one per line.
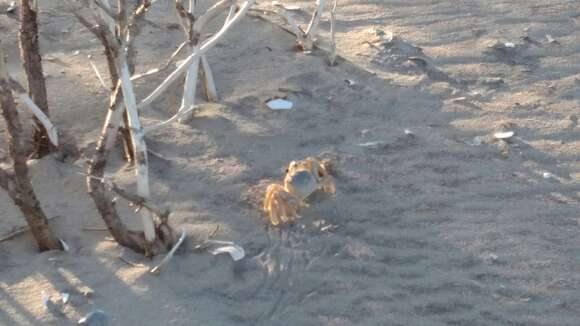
pixel 64 297
pixel 548 175
pixel 217 247
pixel 504 135
pixel 372 144
pixel 170 254
pixel 65 246
pixel 45 299
pixel 349 82
pixel 94 318
pixel 12 7
pixel 279 104
pixel 477 141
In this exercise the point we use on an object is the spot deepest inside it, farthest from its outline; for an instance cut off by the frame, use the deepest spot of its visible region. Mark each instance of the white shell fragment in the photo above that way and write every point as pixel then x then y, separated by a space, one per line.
pixel 548 175
pixel 504 135
pixel 551 40
pixel 217 247
pixel 45 299
pixel 510 45
pixel 64 297
pixel 65 246
pixel 349 82
pixel 12 7
pixel 279 104
pixel 287 7
pixel 94 318
pixel 409 132
pixel 372 144
pixel 477 141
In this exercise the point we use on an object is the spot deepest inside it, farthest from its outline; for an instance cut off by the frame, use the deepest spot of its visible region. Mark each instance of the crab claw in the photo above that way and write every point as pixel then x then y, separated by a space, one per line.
pixel 280 205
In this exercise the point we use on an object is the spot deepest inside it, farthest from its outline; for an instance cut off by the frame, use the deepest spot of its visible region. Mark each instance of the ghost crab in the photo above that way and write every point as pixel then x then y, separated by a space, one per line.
pixel 302 179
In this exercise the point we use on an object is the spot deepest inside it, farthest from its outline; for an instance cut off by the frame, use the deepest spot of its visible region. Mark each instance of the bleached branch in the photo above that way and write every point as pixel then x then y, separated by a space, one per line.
pixel 332 53
pixel 208 44
pixel 50 129
pixel 313 25
pixel 175 117
pixel 190 86
pixel 141 162
pixel 96 70
pixel 163 67
pixel 210 89
pixel 210 14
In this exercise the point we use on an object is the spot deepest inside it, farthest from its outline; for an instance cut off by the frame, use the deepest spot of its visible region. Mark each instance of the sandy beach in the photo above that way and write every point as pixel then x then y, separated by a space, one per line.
pixel 434 222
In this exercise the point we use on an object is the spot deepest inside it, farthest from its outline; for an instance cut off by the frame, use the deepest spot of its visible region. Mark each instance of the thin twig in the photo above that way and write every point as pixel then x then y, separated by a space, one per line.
pixel 132 264
pixel 94 229
pixel 214 232
pixel 210 14
pixel 156 269
pixel 106 8
pixel 136 200
pixel 96 70
pixel 163 67
pixel 139 201
pixel 21 230
pixel 175 117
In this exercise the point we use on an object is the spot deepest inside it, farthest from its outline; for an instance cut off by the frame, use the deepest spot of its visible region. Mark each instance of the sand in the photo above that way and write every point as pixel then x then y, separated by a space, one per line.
pixel 442 225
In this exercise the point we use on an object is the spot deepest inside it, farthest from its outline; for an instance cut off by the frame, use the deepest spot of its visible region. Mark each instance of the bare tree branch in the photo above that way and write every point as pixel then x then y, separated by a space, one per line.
pixel 19 187
pixel 32 64
pixel 208 44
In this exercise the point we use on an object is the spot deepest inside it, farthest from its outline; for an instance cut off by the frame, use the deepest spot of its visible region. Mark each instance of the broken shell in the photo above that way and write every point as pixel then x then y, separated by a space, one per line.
pixel 477 141
pixel 235 251
pixel 94 318
pixel 551 40
pixel 372 144
pixel 64 297
pixel 503 135
pixel 12 7
pixel 65 246
pixel 279 104
pixel 548 175
pixel 349 82
pixel 45 299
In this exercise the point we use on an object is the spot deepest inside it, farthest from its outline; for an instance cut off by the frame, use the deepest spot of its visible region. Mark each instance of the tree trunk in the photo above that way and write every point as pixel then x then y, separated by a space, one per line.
pixel 105 205
pixel 18 185
pixel 32 64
